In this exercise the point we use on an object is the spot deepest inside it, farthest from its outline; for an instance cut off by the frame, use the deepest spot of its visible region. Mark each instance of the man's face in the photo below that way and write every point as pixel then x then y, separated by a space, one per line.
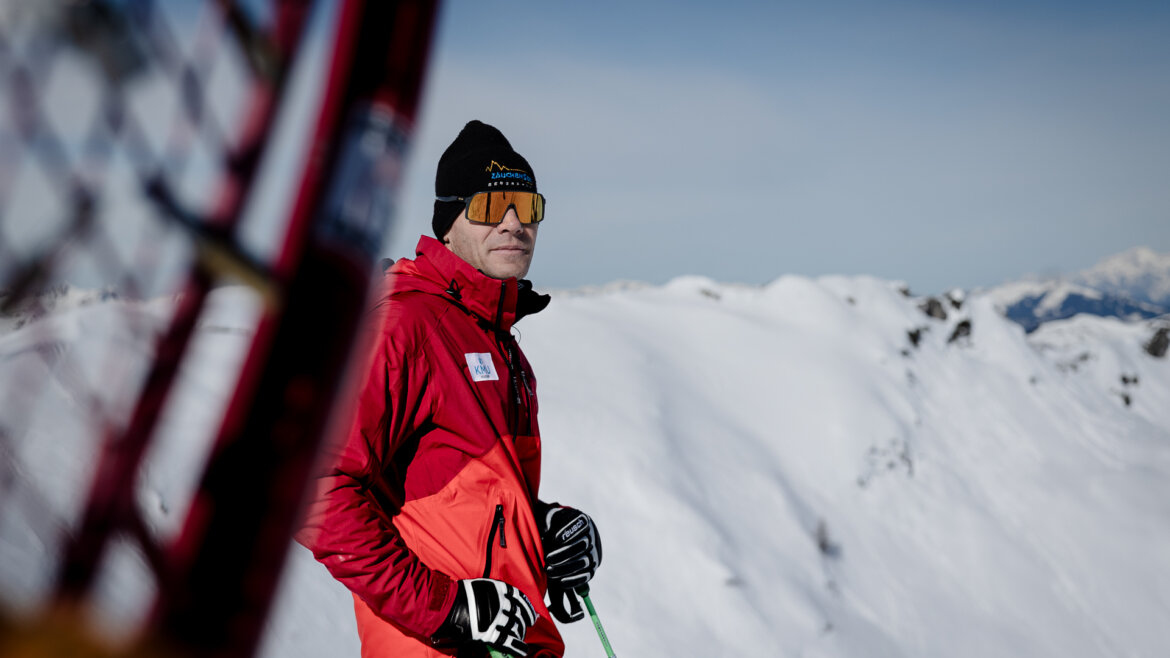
pixel 498 250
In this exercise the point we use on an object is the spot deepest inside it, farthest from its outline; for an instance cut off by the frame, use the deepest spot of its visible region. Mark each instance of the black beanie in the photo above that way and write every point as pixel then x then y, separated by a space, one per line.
pixel 479 160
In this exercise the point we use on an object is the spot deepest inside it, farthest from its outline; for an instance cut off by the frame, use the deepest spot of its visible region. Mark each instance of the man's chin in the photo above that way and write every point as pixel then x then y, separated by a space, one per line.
pixel 506 272
pixel 508 266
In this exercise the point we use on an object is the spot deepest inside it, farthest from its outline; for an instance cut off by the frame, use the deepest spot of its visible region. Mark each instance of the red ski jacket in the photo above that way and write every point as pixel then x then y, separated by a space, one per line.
pixel 437 478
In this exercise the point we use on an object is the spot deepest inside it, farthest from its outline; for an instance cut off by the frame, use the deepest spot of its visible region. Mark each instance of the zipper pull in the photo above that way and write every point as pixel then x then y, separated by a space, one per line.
pixel 500 521
pixel 524 378
pixel 513 366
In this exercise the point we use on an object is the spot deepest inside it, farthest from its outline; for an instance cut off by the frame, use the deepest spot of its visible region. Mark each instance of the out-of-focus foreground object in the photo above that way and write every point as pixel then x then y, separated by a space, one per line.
pixel 140 169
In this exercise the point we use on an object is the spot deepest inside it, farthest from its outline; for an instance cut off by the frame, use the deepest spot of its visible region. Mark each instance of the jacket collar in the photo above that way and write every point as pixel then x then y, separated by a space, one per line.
pixel 437 270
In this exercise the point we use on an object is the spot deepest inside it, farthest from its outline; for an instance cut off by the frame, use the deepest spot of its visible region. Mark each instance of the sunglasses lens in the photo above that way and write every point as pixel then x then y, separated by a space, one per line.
pixel 490 207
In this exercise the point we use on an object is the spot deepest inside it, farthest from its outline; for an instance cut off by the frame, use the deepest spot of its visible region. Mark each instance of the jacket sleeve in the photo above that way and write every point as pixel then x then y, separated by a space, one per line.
pixel 345 527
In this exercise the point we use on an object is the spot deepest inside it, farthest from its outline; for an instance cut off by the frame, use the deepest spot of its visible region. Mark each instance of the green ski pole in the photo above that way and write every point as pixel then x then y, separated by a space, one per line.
pixel 584 592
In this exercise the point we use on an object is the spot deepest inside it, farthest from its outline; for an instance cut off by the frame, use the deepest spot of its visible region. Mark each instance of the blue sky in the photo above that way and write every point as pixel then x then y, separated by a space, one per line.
pixel 937 143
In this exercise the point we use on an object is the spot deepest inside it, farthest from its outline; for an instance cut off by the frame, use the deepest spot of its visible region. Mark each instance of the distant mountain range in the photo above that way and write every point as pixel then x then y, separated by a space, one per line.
pixel 1132 285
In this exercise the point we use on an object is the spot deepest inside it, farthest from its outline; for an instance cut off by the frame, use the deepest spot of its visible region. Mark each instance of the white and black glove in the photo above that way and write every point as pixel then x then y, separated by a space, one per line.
pixel 572 553
pixel 489 611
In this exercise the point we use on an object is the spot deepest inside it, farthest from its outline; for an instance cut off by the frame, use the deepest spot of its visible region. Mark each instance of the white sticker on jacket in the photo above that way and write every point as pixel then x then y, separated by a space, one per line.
pixel 482 369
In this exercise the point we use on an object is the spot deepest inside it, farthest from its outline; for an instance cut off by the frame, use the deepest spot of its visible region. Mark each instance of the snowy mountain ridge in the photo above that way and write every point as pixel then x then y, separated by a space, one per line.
pixel 1139 273
pixel 821 467
pixel 1132 285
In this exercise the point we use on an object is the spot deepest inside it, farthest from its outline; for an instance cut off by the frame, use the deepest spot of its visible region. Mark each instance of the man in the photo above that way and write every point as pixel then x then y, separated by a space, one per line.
pixel 429 513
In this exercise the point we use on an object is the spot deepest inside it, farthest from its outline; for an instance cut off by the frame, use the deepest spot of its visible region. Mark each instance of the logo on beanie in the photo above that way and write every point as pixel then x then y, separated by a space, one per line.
pixel 501 175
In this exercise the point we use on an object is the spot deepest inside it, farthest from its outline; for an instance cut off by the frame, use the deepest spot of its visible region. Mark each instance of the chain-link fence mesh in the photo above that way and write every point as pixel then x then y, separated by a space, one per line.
pixel 129 132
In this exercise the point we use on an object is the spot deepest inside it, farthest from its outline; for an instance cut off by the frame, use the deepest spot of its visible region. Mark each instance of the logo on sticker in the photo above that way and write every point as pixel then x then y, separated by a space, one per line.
pixel 481 366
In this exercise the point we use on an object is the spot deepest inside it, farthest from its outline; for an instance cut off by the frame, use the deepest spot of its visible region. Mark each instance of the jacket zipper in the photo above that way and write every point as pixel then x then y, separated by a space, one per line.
pixel 517 401
pixel 497 524
pixel 500 305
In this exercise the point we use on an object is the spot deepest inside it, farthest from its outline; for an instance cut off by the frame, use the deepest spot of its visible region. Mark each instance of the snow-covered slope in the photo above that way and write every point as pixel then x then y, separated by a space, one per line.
pixel 815 467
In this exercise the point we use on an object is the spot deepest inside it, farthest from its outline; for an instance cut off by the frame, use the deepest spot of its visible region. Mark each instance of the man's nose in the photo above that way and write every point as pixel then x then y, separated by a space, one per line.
pixel 511 221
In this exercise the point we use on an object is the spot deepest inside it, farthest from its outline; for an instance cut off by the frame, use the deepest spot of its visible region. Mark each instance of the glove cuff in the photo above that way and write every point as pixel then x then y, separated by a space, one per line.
pixel 457 625
pixel 541 509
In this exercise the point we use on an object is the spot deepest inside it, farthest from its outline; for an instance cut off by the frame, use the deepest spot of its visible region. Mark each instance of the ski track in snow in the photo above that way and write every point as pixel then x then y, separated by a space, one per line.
pixel 775 470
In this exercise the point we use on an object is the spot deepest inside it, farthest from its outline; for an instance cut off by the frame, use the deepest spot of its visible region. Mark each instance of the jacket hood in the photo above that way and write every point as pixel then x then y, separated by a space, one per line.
pixel 438 271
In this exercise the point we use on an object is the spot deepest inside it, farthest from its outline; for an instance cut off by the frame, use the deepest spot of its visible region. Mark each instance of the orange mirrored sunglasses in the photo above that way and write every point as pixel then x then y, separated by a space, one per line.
pixel 490 207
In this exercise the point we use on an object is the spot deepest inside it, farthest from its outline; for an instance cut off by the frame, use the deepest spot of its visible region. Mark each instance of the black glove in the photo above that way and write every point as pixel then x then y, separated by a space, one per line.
pixel 567 605
pixel 572 553
pixel 491 612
